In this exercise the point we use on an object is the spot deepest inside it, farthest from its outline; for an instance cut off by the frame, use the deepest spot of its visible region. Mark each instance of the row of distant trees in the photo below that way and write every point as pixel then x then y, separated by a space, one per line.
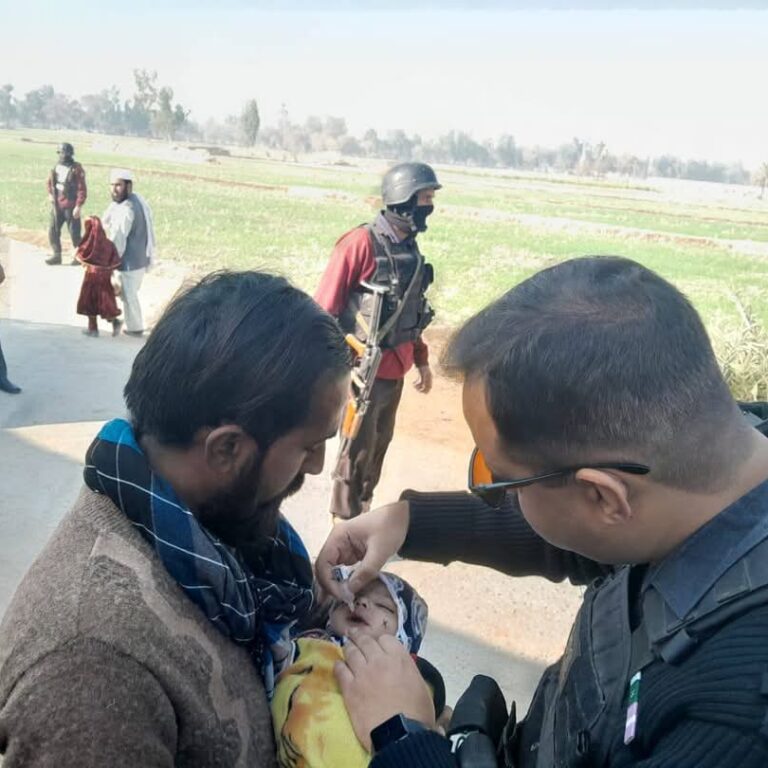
pixel 151 111
pixel 576 156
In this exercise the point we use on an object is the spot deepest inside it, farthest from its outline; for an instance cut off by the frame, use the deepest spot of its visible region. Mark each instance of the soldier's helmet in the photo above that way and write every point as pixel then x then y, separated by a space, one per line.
pixel 66 148
pixel 404 180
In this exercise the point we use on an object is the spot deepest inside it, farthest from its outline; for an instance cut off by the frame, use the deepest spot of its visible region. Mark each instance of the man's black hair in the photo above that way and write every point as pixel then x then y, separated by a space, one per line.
pixel 599 358
pixel 238 347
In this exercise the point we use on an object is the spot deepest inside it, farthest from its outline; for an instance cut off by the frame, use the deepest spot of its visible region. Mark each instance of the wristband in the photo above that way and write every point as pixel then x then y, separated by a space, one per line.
pixel 395 729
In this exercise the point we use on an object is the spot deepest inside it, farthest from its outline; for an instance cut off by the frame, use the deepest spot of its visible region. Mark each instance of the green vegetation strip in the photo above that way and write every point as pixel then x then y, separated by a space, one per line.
pixel 240 212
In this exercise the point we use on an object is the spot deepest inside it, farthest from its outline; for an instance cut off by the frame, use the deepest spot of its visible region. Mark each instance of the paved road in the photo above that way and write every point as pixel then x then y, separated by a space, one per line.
pixel 480 621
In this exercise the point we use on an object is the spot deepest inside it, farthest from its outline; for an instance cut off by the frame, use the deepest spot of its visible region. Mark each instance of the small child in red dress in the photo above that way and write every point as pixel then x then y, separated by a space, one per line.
pixel 99 256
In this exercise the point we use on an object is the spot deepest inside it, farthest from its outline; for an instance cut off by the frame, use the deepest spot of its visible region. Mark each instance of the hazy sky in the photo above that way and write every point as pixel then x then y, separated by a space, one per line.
pixel 684 81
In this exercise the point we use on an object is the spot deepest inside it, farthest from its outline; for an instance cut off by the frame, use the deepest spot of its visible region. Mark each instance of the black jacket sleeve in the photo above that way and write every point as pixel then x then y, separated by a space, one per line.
pixel 421 750
pixel 458 526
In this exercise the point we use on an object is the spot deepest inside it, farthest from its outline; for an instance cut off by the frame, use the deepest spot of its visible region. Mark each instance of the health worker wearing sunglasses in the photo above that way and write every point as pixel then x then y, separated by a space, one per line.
pixel 609 452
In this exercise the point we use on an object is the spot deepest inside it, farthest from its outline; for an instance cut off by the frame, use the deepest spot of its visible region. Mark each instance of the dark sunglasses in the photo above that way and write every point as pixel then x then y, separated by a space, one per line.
pixel 482 484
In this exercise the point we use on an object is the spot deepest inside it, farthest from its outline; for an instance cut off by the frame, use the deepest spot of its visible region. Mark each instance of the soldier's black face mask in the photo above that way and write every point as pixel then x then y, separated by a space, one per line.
pixel 419 215
pixel 409 216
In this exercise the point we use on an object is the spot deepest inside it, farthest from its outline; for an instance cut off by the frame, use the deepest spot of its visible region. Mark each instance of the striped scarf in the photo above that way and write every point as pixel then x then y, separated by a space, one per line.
pixel 256 604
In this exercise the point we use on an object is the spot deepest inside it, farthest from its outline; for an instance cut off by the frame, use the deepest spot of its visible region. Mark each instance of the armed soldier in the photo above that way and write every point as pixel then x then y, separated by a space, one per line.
pixel 67 193
pixel 385 254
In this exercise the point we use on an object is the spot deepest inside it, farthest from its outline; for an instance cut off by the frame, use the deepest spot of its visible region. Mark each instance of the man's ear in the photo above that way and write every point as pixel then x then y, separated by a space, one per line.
pixel 608 493
pixel 227 448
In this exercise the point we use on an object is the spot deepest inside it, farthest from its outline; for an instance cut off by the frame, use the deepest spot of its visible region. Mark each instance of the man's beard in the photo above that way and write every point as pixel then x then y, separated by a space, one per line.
pixel 235 517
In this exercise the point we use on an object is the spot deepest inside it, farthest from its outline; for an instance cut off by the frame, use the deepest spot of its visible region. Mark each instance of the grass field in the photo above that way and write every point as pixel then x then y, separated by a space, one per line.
pixel 490 229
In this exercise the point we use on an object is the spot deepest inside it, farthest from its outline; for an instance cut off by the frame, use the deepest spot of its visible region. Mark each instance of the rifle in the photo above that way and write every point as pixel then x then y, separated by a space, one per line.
pixel 363 377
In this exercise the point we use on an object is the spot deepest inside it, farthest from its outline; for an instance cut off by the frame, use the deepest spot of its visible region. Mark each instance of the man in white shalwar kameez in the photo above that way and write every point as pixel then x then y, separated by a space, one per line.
pixel 128 224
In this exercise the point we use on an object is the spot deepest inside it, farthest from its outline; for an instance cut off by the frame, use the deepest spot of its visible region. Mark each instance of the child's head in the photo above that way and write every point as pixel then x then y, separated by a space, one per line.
pixel 386 606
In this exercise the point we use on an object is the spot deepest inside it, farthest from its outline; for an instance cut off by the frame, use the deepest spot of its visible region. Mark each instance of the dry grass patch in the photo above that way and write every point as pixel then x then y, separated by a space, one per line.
pixel 743 354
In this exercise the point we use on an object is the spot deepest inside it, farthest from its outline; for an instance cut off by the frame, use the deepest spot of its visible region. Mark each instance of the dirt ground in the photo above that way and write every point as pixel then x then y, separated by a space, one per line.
pixel 436 416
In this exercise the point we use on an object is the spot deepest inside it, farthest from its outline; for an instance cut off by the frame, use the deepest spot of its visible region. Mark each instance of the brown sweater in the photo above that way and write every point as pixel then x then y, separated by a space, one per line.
pixel 105 662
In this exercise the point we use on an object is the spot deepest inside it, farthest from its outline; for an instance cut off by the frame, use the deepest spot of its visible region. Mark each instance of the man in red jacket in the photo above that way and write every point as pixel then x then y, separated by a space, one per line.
pixel 67 193
pixel 383 252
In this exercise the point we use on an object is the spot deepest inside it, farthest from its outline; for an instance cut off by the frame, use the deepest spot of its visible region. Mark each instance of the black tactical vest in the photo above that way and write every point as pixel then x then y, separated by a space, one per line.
pixel 580 702
pixel 406 312
pixel 577 717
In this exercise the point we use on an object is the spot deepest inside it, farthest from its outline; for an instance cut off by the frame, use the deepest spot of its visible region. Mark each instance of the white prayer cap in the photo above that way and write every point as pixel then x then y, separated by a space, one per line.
pixel 116 174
